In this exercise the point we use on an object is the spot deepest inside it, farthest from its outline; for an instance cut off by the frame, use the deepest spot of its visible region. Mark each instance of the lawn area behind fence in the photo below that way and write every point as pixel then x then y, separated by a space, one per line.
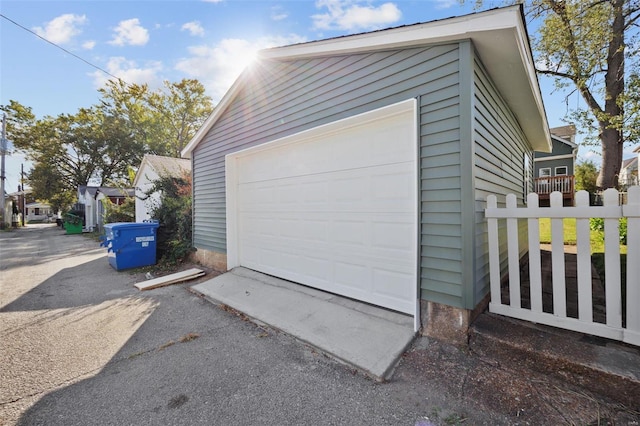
pixel 597 245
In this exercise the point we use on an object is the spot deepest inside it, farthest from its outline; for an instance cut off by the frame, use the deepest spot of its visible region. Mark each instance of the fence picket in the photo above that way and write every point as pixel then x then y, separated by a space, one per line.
pixel 535 269
pixel 632 211
pixel 514 255
pixel 557 260
pixel 583 249
pixel 612 263
pixel 611 212
pixel 494 253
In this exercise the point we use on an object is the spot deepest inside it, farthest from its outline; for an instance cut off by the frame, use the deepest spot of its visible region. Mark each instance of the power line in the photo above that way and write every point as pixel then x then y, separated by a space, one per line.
pixel 63 49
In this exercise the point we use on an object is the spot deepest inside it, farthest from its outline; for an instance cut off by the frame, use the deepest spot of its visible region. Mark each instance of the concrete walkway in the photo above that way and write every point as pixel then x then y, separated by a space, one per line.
pixel 369 338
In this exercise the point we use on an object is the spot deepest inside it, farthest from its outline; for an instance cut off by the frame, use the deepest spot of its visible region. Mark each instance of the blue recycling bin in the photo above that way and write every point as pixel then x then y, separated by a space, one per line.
pixel 130 245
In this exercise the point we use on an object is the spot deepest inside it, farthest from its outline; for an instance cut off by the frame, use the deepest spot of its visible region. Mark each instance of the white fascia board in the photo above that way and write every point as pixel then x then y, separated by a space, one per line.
pixel 441 31
pixel 143 164
pixel 564 141
pixel 554 157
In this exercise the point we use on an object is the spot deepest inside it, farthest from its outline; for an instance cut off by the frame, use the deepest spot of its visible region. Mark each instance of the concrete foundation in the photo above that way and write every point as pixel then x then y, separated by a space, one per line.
pixel 449 323
pixel 210 259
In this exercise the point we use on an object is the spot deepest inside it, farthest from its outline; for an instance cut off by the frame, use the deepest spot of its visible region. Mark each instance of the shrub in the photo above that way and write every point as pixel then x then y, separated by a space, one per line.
pixel 174 215
pixel 597 224
pixel 125 212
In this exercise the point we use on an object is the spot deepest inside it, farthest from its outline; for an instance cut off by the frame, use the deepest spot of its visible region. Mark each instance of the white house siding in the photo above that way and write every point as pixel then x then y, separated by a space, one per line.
pixel 271 106
pixel 500 148
pixel 145 203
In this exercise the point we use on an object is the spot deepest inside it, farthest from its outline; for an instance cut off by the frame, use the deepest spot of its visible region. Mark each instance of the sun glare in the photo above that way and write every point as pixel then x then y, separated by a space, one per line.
pixel 245 59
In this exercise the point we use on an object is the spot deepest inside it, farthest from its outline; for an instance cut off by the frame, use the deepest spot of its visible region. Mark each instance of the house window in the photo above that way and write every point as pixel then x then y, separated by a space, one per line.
pixel 36 211
pixel 561 171
pixel 544 172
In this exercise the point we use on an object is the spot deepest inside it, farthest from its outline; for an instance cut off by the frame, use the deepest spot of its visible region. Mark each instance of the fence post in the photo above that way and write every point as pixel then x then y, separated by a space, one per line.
pixel 632 212
pixel 557 259
pixel 494 253
pixel 612 262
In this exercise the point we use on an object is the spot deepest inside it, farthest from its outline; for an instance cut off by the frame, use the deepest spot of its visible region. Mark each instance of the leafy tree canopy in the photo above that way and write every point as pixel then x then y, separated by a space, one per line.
pixel 162 121
pixel 101 143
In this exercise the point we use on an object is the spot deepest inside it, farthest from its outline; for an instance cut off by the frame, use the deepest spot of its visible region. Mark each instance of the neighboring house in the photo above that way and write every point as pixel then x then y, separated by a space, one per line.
pixel 360 165
pixel 20 199
pixel 151 169
pixel 91 197
pixel 629 171
pixel 554 171
pixel 38 212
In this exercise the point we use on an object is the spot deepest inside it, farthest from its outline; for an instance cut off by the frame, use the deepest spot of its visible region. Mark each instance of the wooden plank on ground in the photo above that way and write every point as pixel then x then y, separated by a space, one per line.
pixel 186 275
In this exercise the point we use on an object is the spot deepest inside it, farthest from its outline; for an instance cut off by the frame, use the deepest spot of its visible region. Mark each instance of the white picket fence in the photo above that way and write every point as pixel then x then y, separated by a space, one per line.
pixel 611 212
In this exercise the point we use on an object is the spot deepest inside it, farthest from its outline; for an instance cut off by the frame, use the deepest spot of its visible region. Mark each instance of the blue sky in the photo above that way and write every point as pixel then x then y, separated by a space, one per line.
pixel 152 41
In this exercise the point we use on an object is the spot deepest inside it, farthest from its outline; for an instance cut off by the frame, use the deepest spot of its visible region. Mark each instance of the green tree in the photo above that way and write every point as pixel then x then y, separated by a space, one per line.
pixel 71 150
pixel 181 109
pixel 162 121
pixel 101 143
pixel 592 46
pixel 586 174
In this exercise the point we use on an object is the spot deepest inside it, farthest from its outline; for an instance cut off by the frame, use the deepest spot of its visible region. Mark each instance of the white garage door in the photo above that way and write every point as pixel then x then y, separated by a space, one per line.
pixel 333 207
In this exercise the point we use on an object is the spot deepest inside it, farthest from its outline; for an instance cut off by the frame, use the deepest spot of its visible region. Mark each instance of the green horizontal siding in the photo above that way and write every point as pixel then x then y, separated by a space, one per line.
pixel 283 97
pixel 500 149
pixel 440 185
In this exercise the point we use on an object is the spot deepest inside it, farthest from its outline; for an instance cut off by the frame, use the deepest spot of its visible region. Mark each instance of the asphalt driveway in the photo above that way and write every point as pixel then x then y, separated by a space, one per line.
pixel 80 345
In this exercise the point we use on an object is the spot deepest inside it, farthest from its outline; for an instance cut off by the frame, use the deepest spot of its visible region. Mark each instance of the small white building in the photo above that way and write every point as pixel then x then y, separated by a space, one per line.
pixel 91 197
pixel 151 169
pixel 38 212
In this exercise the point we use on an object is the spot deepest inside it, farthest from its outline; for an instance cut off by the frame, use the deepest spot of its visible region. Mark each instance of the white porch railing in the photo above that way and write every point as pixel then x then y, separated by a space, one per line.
pixel 611 212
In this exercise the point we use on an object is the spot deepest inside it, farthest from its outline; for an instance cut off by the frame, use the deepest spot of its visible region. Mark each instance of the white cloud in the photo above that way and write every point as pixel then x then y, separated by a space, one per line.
pixel 194 28
pixel 218 66
pixel 62 29
pixel 89 44
pixel 353 15
pixel 446 4
pixel 278 13
pixel 130 32
pixel 130 72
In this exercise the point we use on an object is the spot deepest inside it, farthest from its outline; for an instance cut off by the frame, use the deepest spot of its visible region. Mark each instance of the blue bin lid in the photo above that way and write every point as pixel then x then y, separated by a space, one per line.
pixel 131 225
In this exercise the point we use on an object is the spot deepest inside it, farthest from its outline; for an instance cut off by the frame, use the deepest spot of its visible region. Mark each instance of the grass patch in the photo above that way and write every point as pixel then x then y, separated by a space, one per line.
pixel 597 249
pixel 569 230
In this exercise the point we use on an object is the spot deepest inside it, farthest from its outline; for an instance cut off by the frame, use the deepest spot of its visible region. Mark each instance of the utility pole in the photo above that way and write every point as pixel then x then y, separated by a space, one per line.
pixel 24 195
pixel 3 150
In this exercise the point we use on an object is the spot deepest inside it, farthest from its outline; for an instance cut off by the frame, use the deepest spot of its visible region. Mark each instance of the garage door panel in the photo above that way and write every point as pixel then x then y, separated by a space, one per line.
pixel 383 188
pixel 392 235
pixel 335 152
pixel 381 231
pixel 335 210
pixel 385 283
